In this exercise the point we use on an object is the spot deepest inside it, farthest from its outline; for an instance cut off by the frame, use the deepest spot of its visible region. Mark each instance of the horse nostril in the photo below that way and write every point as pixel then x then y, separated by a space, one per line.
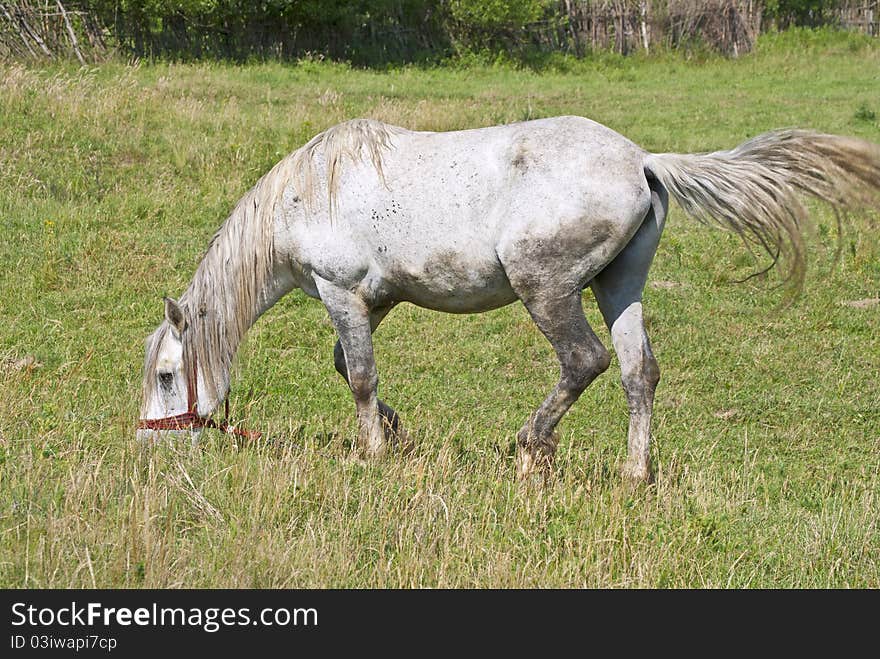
pixel 166 380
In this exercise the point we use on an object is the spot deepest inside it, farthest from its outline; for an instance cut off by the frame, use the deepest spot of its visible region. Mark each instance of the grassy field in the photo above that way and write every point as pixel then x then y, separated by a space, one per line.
pixel 767 426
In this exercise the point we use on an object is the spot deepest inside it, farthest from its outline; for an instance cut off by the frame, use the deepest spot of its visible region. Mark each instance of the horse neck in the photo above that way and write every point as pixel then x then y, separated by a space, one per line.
pixel 221 317
pixel 235 283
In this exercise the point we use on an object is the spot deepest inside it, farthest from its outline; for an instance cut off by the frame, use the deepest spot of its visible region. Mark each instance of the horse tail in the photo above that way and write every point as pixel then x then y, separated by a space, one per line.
pixel 753 190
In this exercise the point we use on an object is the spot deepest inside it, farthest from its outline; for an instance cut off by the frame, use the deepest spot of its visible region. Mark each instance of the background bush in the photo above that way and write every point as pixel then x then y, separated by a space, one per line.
pixel 394 31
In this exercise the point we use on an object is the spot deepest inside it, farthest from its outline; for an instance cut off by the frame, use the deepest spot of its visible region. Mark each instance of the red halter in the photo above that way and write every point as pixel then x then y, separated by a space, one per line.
pixel 191 419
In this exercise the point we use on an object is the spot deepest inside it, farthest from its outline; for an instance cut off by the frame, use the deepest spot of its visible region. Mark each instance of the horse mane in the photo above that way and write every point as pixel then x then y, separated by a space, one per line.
pixel 225 295
pixel 227 292
pixel 153 342
pixel 351 139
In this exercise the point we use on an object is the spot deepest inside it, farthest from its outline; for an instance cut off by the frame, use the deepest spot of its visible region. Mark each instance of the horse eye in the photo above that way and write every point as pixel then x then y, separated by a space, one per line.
pixel 166 380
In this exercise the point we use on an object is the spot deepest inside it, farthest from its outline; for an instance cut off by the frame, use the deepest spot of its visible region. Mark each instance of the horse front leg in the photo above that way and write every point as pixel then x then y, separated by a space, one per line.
pixel 351 318
pixel 394 431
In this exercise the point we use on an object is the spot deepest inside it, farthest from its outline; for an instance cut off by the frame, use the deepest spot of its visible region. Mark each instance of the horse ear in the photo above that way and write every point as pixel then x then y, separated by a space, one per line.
pixel 174 315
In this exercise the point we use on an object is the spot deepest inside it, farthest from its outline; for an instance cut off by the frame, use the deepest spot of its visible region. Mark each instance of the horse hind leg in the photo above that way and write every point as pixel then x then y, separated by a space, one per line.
pixel 582 358
pixel 618 290
pixel 394 431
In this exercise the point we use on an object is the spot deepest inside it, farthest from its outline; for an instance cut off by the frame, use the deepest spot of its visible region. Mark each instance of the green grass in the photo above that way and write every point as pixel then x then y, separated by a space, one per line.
pixel 767 425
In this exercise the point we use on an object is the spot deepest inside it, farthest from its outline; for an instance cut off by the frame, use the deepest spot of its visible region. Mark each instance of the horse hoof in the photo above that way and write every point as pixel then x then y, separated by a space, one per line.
pixel 372 448
pixel 375 453
pixel 532 461
pixel 399 439
pixel 637 473
pixel 525 465
pixel 404 442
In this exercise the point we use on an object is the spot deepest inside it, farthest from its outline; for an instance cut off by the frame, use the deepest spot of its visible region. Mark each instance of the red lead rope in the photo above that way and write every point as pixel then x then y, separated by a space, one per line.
pixel 191 419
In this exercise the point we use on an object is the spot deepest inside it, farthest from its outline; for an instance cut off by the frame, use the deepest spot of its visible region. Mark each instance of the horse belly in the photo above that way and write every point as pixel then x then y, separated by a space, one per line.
pixel 446 280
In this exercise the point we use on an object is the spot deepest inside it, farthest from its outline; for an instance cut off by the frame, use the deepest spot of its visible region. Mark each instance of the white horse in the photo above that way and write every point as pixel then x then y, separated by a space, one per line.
pixel 367 215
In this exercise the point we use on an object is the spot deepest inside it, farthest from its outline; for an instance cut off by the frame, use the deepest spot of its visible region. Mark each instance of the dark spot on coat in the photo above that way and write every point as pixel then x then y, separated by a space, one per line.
pixel 442 264
pixel 520 162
